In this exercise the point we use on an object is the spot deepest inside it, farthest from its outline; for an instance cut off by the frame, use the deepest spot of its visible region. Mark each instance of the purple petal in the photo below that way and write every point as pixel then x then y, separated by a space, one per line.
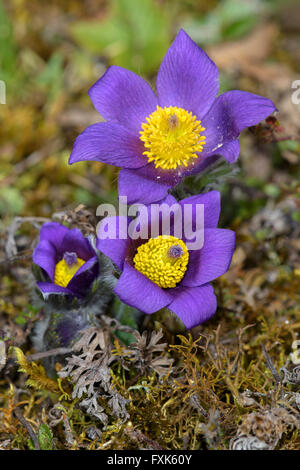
pixel 230 151
pixel 123 97
pixel 45 256
pixel 146 223
pixel 212 260
pixel 85 267
pixel 212 207
pixel 74 241
pixel 116 249
pixel 230 114
pixel 136 290
pixel 146 185
pixel 187 77
pixel 151 216
pixel 194 305
pixel 200 165
pixel 54 233
pixel 84 277
pixel 110 143
pixel 68 328
pixel 48 288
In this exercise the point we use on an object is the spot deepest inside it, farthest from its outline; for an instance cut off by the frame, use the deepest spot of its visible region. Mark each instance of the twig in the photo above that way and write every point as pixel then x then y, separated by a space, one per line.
pixel 270 365
pixel 32 159
pixel 29 429
pixel 85 183
pixel 51 352
pixel 137 435
pixel 68 430
pixel 287 137
pixel 23 255
pixel 62 417
pixel 10 245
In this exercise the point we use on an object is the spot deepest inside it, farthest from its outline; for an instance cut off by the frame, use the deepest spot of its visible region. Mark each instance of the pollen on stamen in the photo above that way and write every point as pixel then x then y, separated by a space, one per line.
pixel 66 268
pixel 163 260
pixel 172 137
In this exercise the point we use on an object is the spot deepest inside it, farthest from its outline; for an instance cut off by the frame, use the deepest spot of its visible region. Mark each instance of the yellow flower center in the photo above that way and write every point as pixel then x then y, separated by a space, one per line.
pixel 163 260
pixel 172 137
pixel 66 268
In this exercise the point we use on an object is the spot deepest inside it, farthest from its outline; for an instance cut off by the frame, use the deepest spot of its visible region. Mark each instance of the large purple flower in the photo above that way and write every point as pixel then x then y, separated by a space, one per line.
pixel 161 271
pixel 157 140
pixel 67 259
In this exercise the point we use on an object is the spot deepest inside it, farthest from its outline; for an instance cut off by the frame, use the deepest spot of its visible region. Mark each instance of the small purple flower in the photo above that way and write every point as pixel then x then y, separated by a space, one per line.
pixel 162 272
pixel 68 260
pixel 157 140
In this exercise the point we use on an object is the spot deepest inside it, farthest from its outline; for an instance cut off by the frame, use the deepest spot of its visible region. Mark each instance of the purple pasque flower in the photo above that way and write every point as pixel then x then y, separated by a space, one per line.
pixel 161 271
pixel 157 140
pixel 68 260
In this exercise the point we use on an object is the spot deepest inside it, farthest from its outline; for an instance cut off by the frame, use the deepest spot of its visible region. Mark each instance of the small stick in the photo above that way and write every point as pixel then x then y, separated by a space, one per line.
pixel 287 137
pixel 270 365
pixel 135 434
pixel 146 439
pixel 29 429
pixel 51 352
pixel 10 244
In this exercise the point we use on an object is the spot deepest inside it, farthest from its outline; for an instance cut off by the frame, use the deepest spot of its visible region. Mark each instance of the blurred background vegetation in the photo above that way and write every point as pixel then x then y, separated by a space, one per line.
pixel 52 52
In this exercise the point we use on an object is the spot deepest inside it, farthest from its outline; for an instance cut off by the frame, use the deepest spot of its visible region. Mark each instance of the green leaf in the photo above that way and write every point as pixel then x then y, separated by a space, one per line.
pixel 134 35
pixel 8 51
pixel 124 313
pixel 30 314
pixel 272 190
pixel 229 20
pixel 30 444
pixel 51 78
pixel 20 320
pixel 45 437
pixel 126 316
pixel 126 338
pixel 11 201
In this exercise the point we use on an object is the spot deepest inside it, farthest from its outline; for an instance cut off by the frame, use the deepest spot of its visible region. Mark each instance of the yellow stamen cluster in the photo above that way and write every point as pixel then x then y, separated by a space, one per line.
pixel 156 260
pixel 172 137
pixel 64 273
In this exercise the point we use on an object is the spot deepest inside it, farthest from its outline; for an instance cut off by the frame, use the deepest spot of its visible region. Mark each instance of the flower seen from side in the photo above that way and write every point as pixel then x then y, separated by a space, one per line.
pixel 67 259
